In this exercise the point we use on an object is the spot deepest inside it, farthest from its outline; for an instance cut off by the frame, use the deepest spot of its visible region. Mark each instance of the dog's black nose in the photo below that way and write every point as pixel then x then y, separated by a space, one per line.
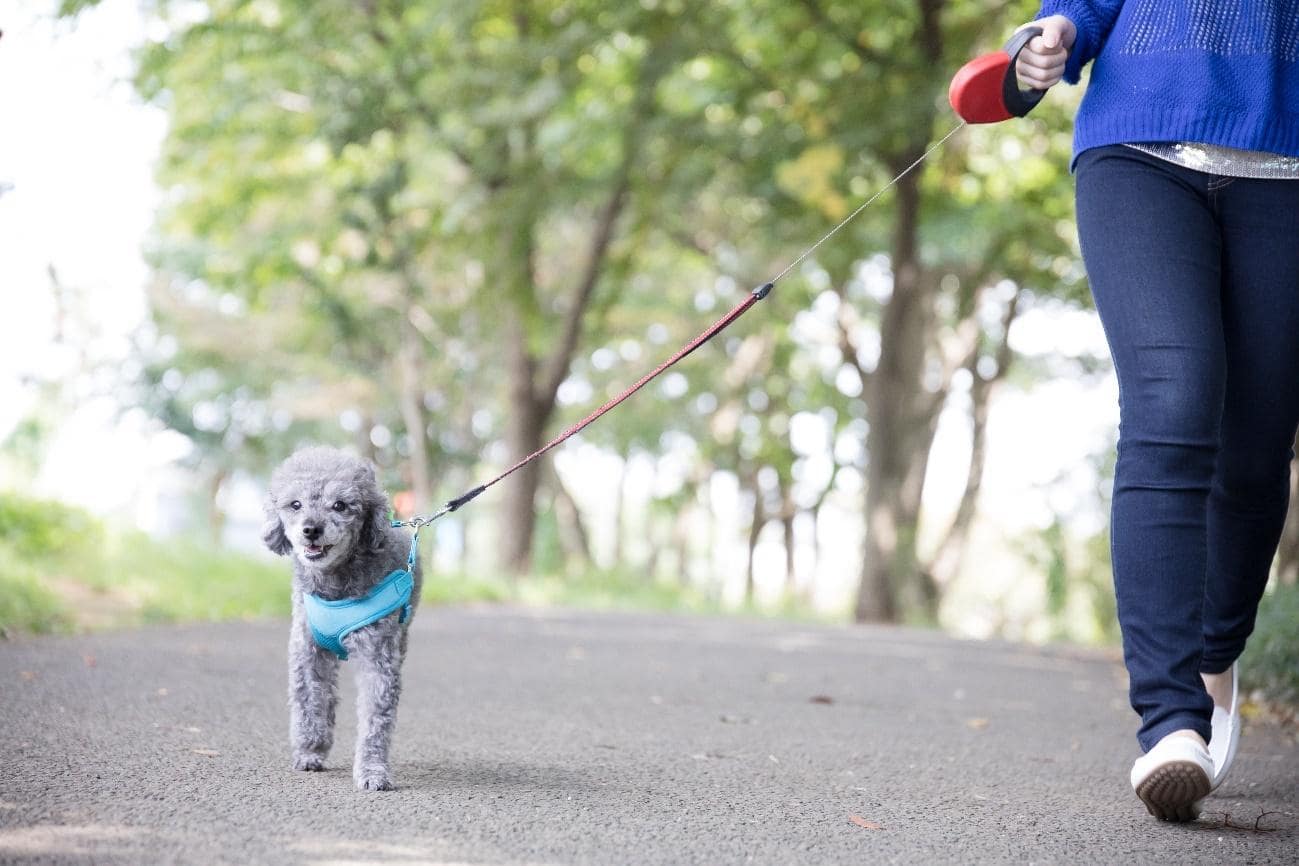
pixel 311 533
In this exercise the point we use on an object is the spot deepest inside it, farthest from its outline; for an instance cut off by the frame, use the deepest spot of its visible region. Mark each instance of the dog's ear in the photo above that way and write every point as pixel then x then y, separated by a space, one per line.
pixel 375 523
pixel 273 531
pixel 374 531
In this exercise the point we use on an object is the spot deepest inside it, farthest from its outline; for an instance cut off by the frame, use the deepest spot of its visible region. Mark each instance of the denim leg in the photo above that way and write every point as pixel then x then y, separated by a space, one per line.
pixel 1251 487
pixel 1153 252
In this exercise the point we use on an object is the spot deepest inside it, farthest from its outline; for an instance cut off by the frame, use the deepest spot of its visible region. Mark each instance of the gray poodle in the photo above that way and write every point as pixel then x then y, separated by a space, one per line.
pixel 326 509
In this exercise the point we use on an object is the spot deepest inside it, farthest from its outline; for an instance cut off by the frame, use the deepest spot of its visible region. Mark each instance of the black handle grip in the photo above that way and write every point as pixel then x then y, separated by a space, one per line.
pixel 1019 102
pixel 465 498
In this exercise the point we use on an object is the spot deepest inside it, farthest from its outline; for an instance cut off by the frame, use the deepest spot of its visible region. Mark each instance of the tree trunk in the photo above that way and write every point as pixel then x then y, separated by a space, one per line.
pixel 572 528
pixel 524 429
pixel 655 549
pixel 534 384
pixel 949 555
pixel 651 564
pixel 787 514
pixel 216 517
pixel 900 431
pixel 759 519
pixel 413 415
pixel 364 444
pixel 532 379
pixel 619 515
pixel 682 541
pixel 809 590
pixel 709 534
pixel 902 416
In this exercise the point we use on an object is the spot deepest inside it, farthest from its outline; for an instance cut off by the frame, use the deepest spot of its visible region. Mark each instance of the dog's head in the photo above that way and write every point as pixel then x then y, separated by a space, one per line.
pixel 324 505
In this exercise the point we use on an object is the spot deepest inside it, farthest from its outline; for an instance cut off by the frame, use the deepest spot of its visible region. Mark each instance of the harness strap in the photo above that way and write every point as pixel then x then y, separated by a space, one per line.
pixel 414 551
pixel 332 621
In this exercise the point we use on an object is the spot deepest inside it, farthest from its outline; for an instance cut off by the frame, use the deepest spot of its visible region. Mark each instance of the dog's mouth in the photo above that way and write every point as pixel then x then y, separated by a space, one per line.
pixel 317 551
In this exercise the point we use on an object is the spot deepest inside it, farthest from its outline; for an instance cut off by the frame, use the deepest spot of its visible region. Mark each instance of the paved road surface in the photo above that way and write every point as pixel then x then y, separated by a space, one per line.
pixel 559 737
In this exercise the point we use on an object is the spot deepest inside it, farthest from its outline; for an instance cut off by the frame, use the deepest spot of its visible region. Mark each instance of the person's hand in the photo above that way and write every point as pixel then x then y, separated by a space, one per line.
pixel 1041 63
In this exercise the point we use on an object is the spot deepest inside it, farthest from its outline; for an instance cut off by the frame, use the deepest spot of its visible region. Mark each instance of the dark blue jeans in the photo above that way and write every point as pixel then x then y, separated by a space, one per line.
pixel 1196 278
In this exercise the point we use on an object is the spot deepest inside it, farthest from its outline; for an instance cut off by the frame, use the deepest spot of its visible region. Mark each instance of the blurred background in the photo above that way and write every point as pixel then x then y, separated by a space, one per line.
pixel 437 233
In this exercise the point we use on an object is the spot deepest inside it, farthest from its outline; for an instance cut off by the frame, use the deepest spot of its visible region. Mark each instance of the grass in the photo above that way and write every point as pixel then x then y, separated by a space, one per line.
pixel 62 570
pixel 1271 664
pixel 186 580
pixel 599 589
pixel 26 604
pixel 133 580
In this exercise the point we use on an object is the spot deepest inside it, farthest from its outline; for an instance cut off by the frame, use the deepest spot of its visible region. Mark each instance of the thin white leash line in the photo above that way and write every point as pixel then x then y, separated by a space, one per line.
pixel 798 261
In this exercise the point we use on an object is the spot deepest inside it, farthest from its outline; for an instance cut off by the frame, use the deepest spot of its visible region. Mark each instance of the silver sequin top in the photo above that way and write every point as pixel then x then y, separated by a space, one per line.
pixel 1224 161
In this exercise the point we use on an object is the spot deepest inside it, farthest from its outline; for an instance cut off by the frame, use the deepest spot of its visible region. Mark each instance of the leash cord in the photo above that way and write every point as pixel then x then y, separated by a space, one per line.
pixel 717 327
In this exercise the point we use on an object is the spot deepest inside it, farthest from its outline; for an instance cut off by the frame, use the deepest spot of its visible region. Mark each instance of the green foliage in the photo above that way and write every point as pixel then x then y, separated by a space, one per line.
pixel 1271 663
pixel 378 215
pixel 185 580
pixel 26 604
pixel 47 533
pixel 1077 584
pixel 39 540
pixel 589 589
pixel 547 549
pixel 383 150
pixel 68 8
pixel 600 589
pixel 455 588
pixel 61 568
pixel 24 447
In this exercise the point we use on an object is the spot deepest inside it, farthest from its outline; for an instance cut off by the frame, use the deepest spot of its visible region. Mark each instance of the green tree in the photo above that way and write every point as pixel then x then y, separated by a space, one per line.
pixel 376 205
pixel 829 100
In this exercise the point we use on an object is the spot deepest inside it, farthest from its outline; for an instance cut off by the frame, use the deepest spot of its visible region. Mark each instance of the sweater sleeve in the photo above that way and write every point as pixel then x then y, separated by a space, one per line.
pixel 1093 19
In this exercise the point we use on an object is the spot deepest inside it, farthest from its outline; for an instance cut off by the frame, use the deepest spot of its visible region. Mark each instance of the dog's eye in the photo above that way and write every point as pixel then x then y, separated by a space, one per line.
pixel 295 505
pixel 340 506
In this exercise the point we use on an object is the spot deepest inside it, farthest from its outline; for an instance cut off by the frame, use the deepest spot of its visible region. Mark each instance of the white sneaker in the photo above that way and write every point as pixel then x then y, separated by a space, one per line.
pixel 1226 732
pixel 1173 777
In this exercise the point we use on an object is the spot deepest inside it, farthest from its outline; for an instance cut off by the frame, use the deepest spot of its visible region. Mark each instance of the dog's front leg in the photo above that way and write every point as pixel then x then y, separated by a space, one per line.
pixel 378 687
pixel 313 695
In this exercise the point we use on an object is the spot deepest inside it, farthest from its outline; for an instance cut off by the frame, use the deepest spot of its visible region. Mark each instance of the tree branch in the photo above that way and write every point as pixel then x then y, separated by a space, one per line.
pixel 557 366
pixel 847 348
pixel 946 561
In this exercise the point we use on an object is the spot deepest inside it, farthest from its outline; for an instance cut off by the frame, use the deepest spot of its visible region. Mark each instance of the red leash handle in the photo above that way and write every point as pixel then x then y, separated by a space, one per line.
pixel 986 90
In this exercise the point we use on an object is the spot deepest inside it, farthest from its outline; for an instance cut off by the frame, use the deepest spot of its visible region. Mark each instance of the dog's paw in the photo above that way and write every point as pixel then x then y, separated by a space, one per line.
pixel 309 763
pixel 373 780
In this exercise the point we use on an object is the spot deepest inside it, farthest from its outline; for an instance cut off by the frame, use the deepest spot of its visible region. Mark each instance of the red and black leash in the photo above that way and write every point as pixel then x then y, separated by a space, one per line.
pixel 984 91
pixel 716 328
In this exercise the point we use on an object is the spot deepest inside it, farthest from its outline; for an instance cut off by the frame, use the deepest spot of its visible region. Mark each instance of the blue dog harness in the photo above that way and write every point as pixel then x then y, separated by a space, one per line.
pixel 331 621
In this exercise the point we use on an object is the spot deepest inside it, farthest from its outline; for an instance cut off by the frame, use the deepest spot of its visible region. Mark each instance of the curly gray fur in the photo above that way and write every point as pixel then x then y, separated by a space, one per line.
pixel 326 511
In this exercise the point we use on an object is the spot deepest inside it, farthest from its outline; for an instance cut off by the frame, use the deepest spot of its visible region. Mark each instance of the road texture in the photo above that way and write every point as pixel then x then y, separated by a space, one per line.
pixel 559 737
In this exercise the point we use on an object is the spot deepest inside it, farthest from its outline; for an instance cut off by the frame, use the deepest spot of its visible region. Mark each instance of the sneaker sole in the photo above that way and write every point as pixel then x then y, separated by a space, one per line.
pixel 1174 791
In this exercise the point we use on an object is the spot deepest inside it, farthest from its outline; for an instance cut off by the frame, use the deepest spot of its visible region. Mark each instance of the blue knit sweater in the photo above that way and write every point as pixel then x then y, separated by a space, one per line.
pixel 1222 72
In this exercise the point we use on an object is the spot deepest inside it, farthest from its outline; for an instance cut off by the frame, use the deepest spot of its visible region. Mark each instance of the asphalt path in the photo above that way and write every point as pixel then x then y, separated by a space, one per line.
pixel 545 737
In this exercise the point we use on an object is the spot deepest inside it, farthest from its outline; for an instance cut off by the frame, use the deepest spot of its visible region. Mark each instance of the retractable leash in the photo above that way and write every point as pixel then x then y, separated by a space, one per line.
pixel 985 90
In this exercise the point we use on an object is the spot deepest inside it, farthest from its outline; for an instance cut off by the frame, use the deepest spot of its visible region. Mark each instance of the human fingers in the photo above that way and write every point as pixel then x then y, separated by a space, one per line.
pixel 1041 63
pixel 1040 71
pixel 1058 31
